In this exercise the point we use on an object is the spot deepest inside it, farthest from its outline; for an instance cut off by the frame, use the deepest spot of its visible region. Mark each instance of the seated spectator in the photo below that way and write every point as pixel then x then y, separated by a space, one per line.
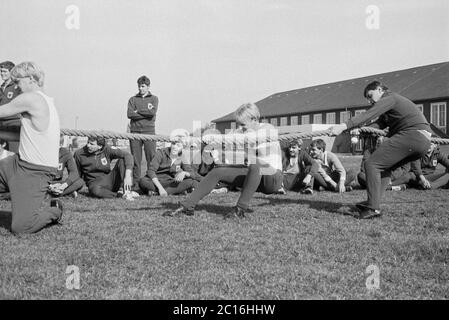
pixel 203 162
pixel 331 173
pixel 169 173
pixel 73 183
pixel 422 173
pixel 94 167
pixel 298 169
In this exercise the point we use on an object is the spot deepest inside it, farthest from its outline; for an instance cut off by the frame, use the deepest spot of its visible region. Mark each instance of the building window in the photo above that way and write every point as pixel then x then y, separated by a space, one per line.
pixel 305 119
pixel 317 118
pixel 233 125
pixel 330 118
pixel 438 115
pixel 294 120
pixel 420 108
pixel 357 112
pixel 274 121
pixel 264 120
pixel 344 116
pixel 284 121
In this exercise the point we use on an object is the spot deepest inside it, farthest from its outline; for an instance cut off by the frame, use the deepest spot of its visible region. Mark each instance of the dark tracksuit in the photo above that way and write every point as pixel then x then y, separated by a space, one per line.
pixel 74 182
pixel 306 165
pixel 95 169
pixel 162 168
pixel 426 166
pixel 228 174
pixel 142 113
pixel 406 142
pixel 7 93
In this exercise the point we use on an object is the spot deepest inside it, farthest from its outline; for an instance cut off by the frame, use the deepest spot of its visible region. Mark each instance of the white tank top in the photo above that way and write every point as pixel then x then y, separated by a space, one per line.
pixel 41 148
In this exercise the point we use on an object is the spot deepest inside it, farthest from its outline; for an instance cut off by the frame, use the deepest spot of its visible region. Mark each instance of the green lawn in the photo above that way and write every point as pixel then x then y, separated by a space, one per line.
pixel 292 247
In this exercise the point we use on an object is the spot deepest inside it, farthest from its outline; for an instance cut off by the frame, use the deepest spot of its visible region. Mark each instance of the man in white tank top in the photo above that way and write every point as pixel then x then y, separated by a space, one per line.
pixel 27 175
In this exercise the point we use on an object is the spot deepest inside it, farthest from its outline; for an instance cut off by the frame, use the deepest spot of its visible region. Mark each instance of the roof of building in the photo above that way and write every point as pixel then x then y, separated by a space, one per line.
pixel 419 83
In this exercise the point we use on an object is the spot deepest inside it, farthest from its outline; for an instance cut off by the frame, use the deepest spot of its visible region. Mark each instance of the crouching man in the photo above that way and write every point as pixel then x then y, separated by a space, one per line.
pixel 26 175
pixel 94 166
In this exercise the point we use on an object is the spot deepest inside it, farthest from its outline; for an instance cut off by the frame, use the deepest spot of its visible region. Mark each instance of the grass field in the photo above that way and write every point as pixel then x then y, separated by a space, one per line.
pixel 292 247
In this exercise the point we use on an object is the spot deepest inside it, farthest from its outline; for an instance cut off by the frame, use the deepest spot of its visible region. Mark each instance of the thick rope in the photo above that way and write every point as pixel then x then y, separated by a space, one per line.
pixel 226 139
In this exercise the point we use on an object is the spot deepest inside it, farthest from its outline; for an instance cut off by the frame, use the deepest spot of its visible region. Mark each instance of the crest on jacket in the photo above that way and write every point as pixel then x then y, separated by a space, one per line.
pixel 104 161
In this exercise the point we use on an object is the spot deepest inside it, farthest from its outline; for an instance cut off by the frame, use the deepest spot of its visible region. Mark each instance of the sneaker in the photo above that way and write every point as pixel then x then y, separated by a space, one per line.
pixel 400 187
pixel 307 190
pixel 56 203
pixel 321 188
pixel 74 194
pixel 120 193
pixel 152 193
pixel 348 188
pixel 369 213
pixel 127 196
pixel 178 212
pixel 281 191
pixel 134 194
pixel 219 190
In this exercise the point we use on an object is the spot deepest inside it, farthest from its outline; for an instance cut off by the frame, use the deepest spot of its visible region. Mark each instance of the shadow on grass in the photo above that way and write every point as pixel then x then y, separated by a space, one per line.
pixel 331 207
pixel 5 220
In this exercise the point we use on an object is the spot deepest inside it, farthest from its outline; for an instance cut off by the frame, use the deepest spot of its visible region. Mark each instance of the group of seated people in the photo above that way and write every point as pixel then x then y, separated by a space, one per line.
pixel 172 173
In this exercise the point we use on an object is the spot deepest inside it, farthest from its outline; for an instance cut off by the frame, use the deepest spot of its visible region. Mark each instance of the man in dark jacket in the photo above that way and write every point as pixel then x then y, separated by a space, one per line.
pixel 94 166
pixel 8 91
pixel 142 109
pixel 409 134
pixel 422 173
pixel 169 173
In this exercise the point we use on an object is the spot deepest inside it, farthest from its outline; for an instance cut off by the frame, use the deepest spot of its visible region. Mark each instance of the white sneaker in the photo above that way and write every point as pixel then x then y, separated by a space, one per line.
pixel 220 190
pixel 128 196
pixel 134 194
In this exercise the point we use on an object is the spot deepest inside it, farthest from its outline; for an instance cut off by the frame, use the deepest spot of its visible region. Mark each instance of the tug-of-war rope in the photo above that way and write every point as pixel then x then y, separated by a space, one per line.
pixel 223 138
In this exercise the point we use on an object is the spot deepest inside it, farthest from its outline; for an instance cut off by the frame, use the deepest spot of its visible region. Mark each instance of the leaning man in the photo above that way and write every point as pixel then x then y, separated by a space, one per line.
pixel 27 174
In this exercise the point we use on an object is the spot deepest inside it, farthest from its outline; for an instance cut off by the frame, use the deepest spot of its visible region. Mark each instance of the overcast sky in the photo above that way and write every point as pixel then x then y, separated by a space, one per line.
pixel 206 57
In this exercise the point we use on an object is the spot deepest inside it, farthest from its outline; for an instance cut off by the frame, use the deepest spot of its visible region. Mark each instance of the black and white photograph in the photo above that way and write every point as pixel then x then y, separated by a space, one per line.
pixel 226 156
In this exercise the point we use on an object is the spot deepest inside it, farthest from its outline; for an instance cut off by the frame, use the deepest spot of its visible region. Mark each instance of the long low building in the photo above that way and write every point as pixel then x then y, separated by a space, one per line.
pixel 334 103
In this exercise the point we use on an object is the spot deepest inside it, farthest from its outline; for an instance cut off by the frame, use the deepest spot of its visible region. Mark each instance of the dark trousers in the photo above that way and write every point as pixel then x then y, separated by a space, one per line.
pixel 28 184
pixel 227 174
pixel 74 186
pixel 335 176
pixel 108 185
pixel 293 182
pixel 437 180
pixel 136 150
pixel 401 148
pixel 271 183
pixel 397 177
pixel 168 182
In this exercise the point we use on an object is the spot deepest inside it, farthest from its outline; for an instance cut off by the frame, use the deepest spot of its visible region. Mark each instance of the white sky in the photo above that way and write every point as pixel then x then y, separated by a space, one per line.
pixel 206 57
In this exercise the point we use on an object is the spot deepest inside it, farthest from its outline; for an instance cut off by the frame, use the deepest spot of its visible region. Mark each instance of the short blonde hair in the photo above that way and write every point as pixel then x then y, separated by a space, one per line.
pixel 247 112
pixel 28 69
